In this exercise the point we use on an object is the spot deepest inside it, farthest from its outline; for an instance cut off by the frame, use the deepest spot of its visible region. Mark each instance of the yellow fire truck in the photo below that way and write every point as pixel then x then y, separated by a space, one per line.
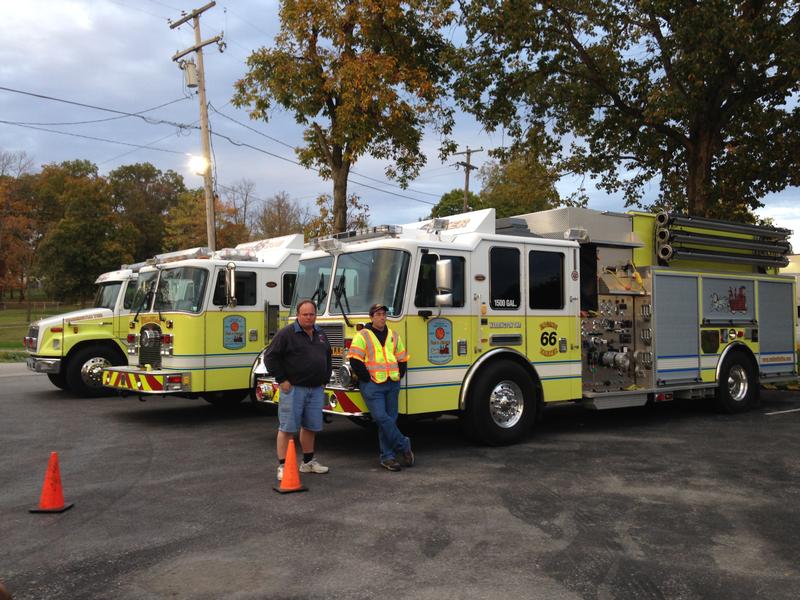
pixel 72 348
pixel 504 316
pixel 201 318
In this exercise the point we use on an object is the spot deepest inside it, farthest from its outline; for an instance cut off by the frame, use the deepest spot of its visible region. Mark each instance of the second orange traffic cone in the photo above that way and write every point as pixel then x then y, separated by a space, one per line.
pixel 291 474
pixel 52 498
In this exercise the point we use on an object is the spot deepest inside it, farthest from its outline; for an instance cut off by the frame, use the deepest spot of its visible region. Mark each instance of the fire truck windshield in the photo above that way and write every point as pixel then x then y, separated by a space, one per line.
pixel 142 299
pixel 106 296
pixel 181 289
pixel 313 277
pixel 364 278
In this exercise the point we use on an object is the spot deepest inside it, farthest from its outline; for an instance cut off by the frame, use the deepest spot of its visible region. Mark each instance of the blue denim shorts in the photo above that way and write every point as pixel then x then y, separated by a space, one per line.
pixel 300 406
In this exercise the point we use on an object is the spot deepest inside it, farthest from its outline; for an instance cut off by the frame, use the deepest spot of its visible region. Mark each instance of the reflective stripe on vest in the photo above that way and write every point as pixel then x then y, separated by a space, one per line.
pixel 381 361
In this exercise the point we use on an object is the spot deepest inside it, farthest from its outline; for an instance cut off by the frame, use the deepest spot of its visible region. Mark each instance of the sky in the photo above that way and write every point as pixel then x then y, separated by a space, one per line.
pixel 117 55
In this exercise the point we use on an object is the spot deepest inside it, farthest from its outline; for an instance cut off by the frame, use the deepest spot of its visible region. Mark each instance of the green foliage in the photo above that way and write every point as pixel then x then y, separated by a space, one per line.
pixel 363 76
pixel 452 203
pixel 88 239
pixel 698 96
pixel 185 225
pixel 145 195
pixel 519 186
pixel 357 217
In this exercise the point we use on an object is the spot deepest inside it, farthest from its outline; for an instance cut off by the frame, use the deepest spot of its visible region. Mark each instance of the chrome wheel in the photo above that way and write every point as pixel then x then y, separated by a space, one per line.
pixel 506 404
pixel 92 371
pixel 737 383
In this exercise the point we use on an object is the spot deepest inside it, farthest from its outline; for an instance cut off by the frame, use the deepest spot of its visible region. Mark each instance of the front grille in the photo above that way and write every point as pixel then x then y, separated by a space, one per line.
pixel 150 346
pixel 335 334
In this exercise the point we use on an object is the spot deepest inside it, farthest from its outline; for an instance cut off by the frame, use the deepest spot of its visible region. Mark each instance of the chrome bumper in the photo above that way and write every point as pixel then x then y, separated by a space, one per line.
pixel 44 365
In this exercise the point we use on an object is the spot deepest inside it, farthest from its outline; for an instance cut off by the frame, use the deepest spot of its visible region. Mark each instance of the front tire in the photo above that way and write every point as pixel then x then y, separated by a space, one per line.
pixel 84 372
pixel 737 389
pixel 59 380
pixel 501 405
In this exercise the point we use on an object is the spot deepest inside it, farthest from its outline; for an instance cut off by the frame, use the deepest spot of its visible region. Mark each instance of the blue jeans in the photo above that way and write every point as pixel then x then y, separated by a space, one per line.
pixel 300 406
pixel 381 400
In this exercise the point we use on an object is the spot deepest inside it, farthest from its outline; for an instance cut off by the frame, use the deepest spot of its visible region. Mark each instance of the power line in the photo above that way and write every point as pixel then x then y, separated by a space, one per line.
pixel 89 137
pixel 294 162
pixel 352 172
pixel 111 110
pixel 107 119
pixel 183 126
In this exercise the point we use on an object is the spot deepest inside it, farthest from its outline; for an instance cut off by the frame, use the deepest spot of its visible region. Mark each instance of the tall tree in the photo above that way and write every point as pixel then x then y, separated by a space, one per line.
pixel 144 194
pixel 452 203
pixel 363 77
pixel 16 223
pixel 185 225
pixel 15 163
pixel 280 215
pixel 517 186
pixel 357 217
pixel 240 197
pixel 88 239
pixel 16 234
pixel 700 96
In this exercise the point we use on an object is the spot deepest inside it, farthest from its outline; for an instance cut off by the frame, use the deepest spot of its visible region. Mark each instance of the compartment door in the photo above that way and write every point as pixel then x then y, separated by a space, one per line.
pixel 676 339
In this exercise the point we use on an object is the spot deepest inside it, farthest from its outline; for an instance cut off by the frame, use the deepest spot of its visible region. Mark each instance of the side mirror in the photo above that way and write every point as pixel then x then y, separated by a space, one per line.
pixel 444 282
pixel 230 283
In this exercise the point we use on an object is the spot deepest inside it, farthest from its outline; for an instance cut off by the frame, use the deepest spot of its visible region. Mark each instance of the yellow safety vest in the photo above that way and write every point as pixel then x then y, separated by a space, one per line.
pixel 381 361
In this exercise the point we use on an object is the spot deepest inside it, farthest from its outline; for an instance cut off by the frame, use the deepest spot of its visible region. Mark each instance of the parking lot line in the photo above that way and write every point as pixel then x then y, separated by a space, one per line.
pixel 782 412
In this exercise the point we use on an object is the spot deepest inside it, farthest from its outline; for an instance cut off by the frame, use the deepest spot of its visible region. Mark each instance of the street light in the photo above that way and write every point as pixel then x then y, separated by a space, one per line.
pixel 198 165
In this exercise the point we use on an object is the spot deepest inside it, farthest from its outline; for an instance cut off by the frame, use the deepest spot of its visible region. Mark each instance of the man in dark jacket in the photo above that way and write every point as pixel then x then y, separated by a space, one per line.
pixel 299 357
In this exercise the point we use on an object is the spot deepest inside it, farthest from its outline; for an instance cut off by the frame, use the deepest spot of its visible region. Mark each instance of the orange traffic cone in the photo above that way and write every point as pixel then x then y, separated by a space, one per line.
pixel 291 474
pixel 52 499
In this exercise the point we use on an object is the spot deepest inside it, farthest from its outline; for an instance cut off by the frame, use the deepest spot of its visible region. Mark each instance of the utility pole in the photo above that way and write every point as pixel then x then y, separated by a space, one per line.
pixel 208 186
pixel 467 168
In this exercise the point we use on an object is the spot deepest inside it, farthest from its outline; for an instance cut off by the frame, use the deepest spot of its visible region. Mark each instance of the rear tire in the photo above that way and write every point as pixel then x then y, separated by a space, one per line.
pixel 84 372
pixel 59 380
pixel 737 389
pixel 501 407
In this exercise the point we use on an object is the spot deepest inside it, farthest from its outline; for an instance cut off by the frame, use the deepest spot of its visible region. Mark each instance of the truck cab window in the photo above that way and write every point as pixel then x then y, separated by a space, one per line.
pixel 546 280
pixel 504 278
pixel 287 291
pixel 425 295
pixel 246 289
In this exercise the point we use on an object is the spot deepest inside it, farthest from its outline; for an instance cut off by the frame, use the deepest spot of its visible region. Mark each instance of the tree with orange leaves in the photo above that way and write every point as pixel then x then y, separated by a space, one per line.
pixel 363 77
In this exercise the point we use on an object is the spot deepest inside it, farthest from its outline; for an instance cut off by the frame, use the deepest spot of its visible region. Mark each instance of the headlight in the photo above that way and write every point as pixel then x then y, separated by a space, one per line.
pixel 346 376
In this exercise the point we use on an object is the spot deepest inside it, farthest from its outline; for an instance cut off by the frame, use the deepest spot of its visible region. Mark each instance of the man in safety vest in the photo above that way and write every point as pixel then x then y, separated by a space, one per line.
pixel 378 357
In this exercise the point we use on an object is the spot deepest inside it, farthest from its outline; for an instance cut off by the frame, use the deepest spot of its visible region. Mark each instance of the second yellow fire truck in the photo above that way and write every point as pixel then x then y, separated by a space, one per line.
pixel 200 319
pixel 502 317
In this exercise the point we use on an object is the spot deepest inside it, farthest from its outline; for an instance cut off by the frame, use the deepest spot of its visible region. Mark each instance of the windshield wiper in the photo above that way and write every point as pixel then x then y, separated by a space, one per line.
pixel 320 294
pixel 340 293
pixel 147 295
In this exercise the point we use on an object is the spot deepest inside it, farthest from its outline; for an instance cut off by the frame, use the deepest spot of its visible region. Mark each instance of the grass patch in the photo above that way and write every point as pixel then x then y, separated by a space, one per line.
pixel 10 356
pixel 14 322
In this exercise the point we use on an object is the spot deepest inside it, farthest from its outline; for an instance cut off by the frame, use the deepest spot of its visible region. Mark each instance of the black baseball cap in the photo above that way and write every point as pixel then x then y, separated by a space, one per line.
pixel 376 307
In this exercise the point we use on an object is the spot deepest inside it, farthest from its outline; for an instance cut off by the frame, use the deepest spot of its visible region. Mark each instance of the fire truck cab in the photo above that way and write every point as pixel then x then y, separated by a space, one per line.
pixel 72 348
pixel 504 316
pixel 200 319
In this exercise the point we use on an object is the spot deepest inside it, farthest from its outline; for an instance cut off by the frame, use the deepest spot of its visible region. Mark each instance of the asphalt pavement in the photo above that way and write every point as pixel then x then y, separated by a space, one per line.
pixel 173 499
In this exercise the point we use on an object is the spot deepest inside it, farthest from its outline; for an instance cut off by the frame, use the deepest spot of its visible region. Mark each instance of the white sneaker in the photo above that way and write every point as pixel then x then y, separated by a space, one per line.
pixel 280 472
pixel 312 466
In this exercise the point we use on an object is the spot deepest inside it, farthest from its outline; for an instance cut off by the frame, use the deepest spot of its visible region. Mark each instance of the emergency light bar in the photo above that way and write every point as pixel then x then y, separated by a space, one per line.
pixel 201 252
pixel 357 235
pixel 135 267
pixel 235 254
